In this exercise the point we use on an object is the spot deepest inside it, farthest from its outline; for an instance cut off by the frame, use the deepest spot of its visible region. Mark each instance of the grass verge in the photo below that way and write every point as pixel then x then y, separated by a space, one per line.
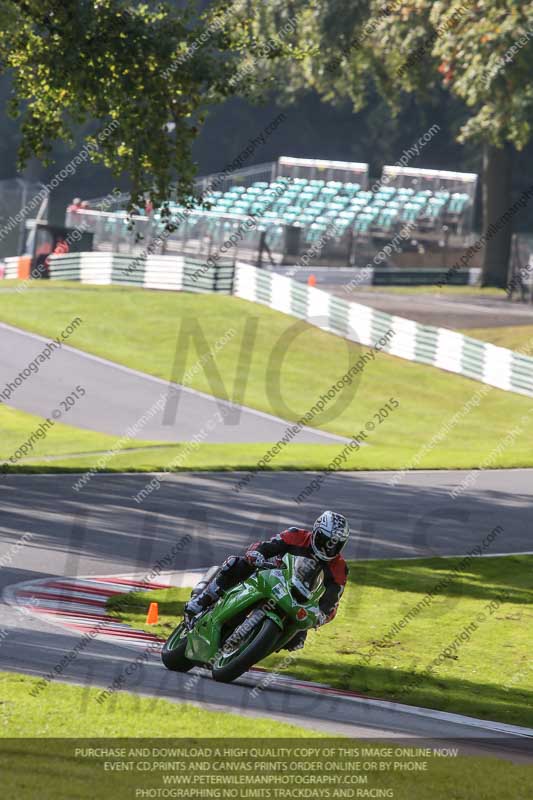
pixel 443 291
pixel 51 769
pixel 237 457
pixel 488 675
pixel 290 366
pixel 16 427
pixel 66 711
pixel 514 337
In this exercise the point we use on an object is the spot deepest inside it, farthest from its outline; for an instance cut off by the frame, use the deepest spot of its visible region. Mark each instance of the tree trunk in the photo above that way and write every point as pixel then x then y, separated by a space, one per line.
pixel 497 200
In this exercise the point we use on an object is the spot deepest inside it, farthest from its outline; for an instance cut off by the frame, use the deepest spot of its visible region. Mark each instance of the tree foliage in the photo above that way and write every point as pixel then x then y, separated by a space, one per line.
pixel 479 51
pixel 146 74
pixel 342 48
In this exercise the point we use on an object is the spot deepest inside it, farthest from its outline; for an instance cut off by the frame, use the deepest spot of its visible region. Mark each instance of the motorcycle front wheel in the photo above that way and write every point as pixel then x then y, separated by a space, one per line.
pixel 258 643
pixel 173 652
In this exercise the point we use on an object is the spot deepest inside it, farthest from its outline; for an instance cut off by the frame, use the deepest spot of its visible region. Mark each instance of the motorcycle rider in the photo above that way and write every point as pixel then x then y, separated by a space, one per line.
pixel 324 544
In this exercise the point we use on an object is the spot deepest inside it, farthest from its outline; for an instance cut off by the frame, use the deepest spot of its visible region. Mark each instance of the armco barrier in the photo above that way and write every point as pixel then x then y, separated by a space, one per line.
pixel 423 277
pixel 425 344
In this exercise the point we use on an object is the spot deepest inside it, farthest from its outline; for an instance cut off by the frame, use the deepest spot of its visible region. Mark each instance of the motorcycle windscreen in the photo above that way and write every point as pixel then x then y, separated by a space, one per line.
pixel 307 575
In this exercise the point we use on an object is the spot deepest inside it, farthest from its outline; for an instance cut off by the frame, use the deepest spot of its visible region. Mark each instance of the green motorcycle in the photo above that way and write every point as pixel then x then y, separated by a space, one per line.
pixel 253 619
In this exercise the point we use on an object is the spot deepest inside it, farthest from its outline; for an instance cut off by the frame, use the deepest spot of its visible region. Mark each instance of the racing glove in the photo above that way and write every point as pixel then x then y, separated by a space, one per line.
pixel 321 618
pixel 255 558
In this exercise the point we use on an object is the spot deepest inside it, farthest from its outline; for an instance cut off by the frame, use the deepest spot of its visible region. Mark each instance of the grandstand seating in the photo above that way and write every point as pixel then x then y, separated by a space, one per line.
pixel 329 209
pixel 315 205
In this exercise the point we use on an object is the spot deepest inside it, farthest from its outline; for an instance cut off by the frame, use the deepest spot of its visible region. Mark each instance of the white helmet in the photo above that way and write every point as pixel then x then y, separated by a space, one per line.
pixel 330 533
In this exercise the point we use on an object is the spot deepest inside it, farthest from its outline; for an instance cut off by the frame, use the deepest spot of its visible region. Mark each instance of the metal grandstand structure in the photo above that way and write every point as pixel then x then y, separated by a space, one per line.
pixel 321 169
pixel 460 187
pixel 298 208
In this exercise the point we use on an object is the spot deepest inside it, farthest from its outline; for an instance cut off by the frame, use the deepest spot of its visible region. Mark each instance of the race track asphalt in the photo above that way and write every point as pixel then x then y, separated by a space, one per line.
pixel 101 530
pixel 118 398
pixel 428 308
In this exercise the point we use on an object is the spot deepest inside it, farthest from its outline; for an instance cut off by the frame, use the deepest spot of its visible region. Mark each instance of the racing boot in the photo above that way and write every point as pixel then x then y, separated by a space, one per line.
pixel 296 643
pixel 202 599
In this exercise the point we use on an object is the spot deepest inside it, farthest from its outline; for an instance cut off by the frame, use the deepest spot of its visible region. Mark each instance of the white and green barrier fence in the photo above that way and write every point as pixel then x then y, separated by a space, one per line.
pixel 438 347
pixel 11 267
pixel 178 273
pixel 425 344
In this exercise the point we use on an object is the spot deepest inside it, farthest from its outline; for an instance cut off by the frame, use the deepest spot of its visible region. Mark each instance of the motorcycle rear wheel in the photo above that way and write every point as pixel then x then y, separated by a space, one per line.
pixel 227 668
pixel 173 652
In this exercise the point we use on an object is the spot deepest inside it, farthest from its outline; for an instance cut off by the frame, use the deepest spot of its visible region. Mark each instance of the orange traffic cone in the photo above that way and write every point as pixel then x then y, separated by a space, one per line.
pixel 153 614
pixel 311 281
